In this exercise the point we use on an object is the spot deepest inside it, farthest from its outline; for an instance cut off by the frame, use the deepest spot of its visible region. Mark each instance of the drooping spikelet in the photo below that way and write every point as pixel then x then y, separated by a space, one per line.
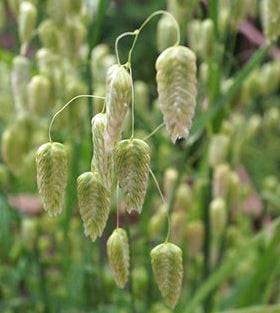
pixel 118 93
pixel 176 81
pixel 26 21
pixel 94 202
pixel 118 255
pixel 102 160
pixel 16 141
pixel 271 19
pixel 20 77
pixel 131 161
pixel 52 173
pixel 166 33
pixel 167 266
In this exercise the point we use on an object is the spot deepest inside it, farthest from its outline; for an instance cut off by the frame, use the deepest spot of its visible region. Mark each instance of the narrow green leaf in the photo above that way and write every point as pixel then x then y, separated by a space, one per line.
pixel 5 221
pixel 102 8
pixel 257 283
pixel 225 270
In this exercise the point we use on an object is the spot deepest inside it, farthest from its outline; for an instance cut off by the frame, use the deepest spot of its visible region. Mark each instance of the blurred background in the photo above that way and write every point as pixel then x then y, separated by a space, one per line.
pixel 221 185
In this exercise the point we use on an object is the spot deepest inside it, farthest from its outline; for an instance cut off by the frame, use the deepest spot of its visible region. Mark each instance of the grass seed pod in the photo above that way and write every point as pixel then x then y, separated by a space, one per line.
pixel 184 198
pixel 207 38
pixel 194 34
pixel 118 93
pixel 57 10
pixel 102 161
pixel 176 84
pixel 156 222
pixel 27 21
pixel 177 9
pixel 167 266
pixel 221 181
pixel 132 165
pixel 141 95
pixel 194 235
pixel 75 6
pixel 49 34
pixel 178 221
pixel 73 37
pixel 39 91
pixel 118 255
pixel 16 141
pixel 218 149
pixel 218 215
pixel 52 173
pixel 169 178
pixel 94 203
pixel 166 33
pixel 20 77
pixel 270 13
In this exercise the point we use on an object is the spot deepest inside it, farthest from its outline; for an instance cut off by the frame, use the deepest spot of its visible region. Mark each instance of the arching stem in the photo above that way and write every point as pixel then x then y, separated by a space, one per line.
pixel 165 204
pixel 154 131
pixel 65 106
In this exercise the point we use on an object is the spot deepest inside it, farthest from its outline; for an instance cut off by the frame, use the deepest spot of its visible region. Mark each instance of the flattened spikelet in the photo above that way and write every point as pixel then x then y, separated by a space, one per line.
pixel 94 202
pixel 271 19
pixel 118 255
pixel 102 160
pixel 118 93
pixel 176 84
pixel 132 161
pixel 167 266
pixel 52 173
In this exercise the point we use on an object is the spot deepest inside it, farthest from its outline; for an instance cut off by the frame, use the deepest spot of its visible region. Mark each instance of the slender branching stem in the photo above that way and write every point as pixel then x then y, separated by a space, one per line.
pixel 165 204
pixel 65 106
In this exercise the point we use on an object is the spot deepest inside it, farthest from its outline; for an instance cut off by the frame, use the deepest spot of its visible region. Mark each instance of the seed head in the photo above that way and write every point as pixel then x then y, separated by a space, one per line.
pixel 118 255
pixel 167 266
pixel 176 81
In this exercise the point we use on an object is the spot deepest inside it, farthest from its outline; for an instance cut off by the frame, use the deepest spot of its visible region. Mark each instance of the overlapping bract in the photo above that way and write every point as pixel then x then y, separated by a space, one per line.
pixel 102 160
pixel 52 173
pixel 94 203
pixel 167 266
pixel 118 94
pixel 118 255
pixel 132 165
pixel 176 81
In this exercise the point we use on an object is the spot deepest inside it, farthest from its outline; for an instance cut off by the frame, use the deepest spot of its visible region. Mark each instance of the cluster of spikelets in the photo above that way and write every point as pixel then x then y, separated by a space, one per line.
pixel 129 161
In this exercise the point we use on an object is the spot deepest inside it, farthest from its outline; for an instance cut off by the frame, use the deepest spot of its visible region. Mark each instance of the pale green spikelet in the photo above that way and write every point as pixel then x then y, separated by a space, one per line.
pixel 52 173
pixel 270 11
pixel 20 76
pixel 118 94
pixel 27 20
pixel 101 161
pixel 218 215
pixel 39 91
pixel 166 33
pixel 132 164
pixel 176 84
pixel 16 141
pixel 48 34
pixel 94 202
pixel 118 255
pixel 167 266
